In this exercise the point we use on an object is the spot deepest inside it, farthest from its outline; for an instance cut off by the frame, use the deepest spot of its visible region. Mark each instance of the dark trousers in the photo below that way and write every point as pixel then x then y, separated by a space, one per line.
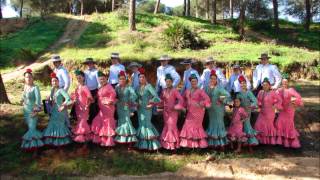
pixel 233 94
pixel 94 107
pixel 255 92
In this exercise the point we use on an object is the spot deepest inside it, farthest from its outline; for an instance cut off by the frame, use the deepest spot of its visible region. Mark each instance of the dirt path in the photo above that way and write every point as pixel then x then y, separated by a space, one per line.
pixel 246 168
pixel 73 31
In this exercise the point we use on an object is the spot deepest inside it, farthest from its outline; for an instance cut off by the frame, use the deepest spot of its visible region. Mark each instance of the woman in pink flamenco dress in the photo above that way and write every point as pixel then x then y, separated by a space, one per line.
pixel 192 134
pixel 235 131
pixel 82 99
pixel 287 135
pixel 268 101
pixel 103 125
pixel 172 102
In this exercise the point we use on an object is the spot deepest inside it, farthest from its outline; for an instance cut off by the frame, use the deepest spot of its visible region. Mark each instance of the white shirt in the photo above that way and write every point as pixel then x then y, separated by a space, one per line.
pixel 205 77
pixel 266 71
pixel 186 81
pixel 161 73
pixel 91 78
pixel 135 80
pixel 114 72
pixel 63 77
pixel 234 84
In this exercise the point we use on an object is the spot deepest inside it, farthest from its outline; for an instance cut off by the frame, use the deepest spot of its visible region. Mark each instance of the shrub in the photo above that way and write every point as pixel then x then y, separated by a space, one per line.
pixel 177 36
pixel 25 55
pixel 260 25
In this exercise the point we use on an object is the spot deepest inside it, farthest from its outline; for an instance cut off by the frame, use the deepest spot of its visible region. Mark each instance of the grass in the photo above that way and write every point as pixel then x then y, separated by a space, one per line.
pixel 109 32
pixel 27 43
pixel 293 33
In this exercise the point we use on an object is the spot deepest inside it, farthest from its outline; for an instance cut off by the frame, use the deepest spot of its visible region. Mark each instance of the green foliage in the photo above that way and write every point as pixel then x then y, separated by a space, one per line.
pixel 294 34
pixel 147 6
pixel 178 36
pixel 260 25
pixel 26 44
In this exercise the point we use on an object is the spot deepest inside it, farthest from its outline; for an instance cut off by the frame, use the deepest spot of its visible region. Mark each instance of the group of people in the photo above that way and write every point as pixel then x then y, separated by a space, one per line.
pixel 104 105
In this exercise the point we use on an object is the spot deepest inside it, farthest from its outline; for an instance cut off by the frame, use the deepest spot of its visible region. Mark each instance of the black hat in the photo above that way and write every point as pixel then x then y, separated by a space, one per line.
pixel 89 60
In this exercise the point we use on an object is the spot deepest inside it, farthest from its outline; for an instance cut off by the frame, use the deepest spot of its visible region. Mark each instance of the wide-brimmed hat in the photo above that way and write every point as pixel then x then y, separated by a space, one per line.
pixel 209 59
pixel 115 55
pixel 164 58
pixel 187 61
pixel 264 56
pixel 55 58
pixel 236 66
pixel 89 60
pixel 134 64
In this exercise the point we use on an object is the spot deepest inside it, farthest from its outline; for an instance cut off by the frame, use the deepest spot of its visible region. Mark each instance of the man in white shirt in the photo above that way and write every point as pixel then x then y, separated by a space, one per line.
pixel 205 77
pixel 265 70
pixel 189 70
pixel 92 82
pixel 164 69
pixel 134 67
pixel 115 68
pixel 233 85
pixel 61 72
pixel 91 74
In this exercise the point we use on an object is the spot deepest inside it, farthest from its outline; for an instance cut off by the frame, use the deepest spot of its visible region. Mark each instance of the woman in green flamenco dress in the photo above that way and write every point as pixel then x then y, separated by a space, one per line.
pixel 57 133
pixel 147 134
pixel 248 102
pixel 217 134
pixel 126 134
pixel 31 101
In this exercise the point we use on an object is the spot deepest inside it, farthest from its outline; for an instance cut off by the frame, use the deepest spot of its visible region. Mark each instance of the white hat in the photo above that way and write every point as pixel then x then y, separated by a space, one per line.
pixel 115 56
pixel 236 66
pixel 210 59
pixel 55 58
pixel 132 64
pixel 165 58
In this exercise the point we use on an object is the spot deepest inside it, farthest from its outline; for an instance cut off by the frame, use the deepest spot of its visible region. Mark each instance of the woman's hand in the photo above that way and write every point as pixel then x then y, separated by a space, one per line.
pixel 149 106
pixel 105 101
pixel 61 108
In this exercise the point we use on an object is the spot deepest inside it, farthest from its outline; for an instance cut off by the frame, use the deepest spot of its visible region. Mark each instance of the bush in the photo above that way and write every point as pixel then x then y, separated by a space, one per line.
pixel 177 36
pixel 260 25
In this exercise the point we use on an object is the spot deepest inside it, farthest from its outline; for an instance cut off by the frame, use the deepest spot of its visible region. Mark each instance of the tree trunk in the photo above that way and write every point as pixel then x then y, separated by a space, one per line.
pixel 132 15
pixel 3 93
pixel 21 7
pixel 275 14
pixel 184 7
pixel 113 5
pixel 197 10
pixel 1 12
pixel 308 15
pixel 231 9
pixel 243 5
pixel 70 7
pixel 105 5
pixel 188 8
pixel 156 9
pixel 214 12
pixel 207 9
pixel 81 8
